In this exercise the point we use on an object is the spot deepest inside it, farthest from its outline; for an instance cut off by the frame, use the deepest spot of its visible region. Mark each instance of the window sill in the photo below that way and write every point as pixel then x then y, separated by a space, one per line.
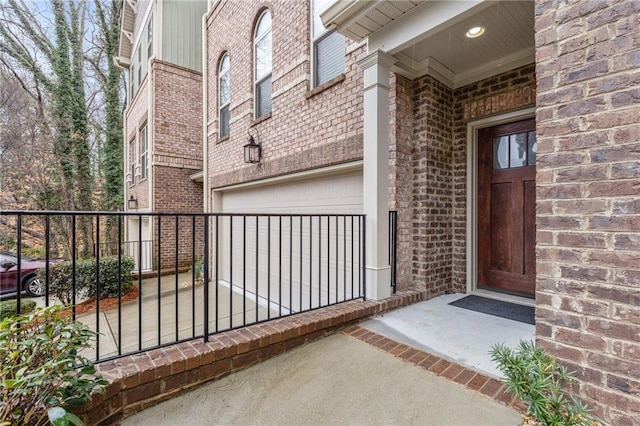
pixel 222 139
pixel 261 119
pixel 324 86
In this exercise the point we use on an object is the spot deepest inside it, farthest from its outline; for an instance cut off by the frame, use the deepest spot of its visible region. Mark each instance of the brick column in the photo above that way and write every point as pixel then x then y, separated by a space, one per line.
pixel 376 171
pixel 588 197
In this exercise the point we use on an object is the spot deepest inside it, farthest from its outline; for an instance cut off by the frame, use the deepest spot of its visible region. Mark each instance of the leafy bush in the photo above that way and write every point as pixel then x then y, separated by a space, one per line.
pixel 9 308
pixel 109 277
pixel 41 368
pixel 61 278
pixel 537 380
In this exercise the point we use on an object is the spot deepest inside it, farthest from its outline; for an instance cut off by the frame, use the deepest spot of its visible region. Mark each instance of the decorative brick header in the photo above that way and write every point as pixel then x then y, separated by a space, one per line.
pixel 501 102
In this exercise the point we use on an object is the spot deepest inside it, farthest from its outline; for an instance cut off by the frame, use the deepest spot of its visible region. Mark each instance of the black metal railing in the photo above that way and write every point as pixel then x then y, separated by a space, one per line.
pixel 393 248
pixel 242 269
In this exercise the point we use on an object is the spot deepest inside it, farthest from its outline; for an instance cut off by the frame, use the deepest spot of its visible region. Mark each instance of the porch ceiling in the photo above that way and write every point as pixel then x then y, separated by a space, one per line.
pixel 428 37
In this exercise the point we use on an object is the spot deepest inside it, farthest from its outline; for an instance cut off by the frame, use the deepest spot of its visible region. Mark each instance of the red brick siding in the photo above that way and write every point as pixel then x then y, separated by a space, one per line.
pixel 177 154
pixel 303 131
pixel 177 102
pixel 432 185
pixel 588 189
pixel 176 193
pixel 400 172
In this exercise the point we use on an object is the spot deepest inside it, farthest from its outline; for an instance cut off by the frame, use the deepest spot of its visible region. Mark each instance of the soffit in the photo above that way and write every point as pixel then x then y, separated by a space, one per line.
pixel 127 24
pixel 442 50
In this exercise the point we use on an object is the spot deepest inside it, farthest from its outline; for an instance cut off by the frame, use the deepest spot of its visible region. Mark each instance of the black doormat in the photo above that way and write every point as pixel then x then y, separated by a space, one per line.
pixel 497 308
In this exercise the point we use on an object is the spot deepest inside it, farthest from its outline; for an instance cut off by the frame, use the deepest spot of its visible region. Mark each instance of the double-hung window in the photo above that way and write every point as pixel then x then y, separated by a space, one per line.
pixel 262 65
pixel 132 160
pixel 139 65
pixel 224 94
pixel 328 47
pixel 150 37
pixel 144 156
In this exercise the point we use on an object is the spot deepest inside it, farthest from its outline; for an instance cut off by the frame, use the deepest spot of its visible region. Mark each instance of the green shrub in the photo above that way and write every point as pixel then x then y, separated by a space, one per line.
pixel 537 380
pixel 41 368
pixel 60 282
pixel 9 308
pixel 109 277
pixel 61 278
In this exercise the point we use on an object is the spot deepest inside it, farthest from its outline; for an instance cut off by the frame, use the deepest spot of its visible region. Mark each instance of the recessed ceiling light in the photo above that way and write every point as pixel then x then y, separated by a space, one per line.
pixel 475 32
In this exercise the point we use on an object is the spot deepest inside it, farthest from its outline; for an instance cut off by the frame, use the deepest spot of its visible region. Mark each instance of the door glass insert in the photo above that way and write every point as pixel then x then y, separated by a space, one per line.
pixel 515 150
pixel 533 148
pixel 518 148
pixel 501 152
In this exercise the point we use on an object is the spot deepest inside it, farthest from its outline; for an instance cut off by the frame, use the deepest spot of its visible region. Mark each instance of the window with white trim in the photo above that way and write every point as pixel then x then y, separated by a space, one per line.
pixel 262 57
pixel 224 94
pixel 132 160
pixel 150 37
pixel 139 64
pixel 328 47
pixel 144 156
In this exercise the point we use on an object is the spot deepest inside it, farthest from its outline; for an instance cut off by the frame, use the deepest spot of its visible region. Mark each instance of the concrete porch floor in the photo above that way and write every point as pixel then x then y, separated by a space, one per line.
pixel 460 335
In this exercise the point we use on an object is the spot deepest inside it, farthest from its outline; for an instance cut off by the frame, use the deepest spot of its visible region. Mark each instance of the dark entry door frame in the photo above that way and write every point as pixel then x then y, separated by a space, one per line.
pixel 472 186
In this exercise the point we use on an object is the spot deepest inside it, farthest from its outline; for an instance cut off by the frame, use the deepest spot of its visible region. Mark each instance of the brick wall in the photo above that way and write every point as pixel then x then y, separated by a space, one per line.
pixel 177 154
pixel 588 189
pixel 177 103
pixel 308 127
pixel 400 172
pixel 432 185
pixel 176 192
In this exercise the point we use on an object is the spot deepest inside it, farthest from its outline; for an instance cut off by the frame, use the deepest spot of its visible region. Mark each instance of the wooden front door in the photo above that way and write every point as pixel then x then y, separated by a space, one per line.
pixel 506 207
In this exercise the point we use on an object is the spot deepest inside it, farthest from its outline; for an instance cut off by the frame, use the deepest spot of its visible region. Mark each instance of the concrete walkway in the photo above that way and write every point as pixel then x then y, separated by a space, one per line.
pixel 337 380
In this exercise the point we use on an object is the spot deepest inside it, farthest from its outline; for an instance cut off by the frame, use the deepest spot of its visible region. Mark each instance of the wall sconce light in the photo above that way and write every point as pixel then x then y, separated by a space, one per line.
pixel 132 203
pixel 253 150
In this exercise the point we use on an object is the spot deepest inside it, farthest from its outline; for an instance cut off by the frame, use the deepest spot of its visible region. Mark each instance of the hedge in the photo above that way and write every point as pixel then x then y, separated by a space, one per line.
pixel 9 308
pixel 61 278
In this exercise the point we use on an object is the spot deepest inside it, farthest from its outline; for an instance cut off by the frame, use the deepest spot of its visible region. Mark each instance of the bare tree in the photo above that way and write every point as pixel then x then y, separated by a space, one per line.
pixel 43 48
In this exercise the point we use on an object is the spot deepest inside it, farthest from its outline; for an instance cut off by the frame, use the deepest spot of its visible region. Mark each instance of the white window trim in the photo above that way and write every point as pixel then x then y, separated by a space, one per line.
pixel 255 62
pixel 144 152
pixel 228 103
pixel 133 161
pixel 150 29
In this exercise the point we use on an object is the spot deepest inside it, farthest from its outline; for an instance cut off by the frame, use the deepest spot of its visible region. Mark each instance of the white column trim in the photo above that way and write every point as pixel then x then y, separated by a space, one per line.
pixel 375 172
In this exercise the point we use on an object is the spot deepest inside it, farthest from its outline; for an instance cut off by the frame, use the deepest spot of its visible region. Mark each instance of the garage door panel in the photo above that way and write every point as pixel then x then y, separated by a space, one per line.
pixel 294 262
pixel 338 193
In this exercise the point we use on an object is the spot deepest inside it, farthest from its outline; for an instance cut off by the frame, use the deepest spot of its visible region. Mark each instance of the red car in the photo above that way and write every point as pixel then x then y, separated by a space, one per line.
pixel 29 281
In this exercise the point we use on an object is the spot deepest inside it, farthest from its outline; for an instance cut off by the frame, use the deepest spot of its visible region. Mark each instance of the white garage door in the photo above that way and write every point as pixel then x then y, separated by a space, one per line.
pixel 335 193
pixel 294 262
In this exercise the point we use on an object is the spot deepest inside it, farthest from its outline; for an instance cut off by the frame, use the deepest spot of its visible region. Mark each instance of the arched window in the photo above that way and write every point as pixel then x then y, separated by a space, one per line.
pixel 262 68
pixel 224 95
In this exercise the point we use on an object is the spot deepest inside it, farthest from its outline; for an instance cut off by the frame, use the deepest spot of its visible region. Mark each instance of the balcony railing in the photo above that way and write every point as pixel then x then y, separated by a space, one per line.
pixel 210 272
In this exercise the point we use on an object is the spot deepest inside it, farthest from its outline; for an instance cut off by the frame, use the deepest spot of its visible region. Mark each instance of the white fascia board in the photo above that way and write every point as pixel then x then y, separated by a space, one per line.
pixel 423 21
pixel 342 13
